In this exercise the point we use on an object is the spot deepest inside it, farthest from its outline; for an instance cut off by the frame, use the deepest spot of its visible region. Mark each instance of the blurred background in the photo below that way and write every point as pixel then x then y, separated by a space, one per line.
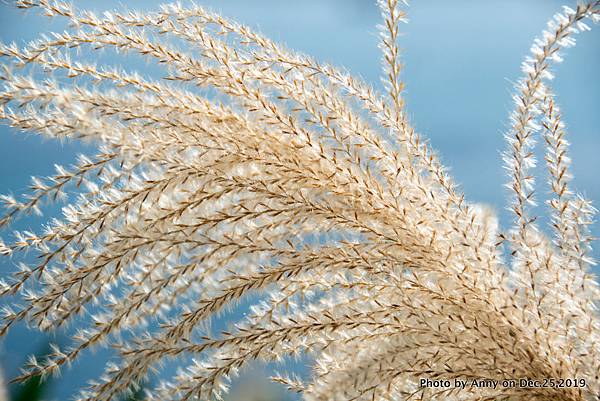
pixel 461 60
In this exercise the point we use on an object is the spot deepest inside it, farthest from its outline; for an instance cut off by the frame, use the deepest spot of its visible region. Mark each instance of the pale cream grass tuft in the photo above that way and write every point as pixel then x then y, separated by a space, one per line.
pixel 253 170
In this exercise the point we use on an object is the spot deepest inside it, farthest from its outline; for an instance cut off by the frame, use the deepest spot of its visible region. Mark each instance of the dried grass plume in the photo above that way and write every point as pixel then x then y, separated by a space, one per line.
pixel 250 173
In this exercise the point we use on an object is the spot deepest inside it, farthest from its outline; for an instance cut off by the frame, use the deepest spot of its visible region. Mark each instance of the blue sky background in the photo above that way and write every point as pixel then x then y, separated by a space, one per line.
pixel 461 59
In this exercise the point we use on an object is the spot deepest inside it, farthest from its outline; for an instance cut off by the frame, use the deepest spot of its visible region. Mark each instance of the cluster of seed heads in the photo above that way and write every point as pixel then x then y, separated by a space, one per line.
pixel 249 173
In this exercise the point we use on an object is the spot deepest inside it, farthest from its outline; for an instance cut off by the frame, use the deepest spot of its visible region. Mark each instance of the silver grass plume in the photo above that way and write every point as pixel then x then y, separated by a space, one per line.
pixel 253 170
